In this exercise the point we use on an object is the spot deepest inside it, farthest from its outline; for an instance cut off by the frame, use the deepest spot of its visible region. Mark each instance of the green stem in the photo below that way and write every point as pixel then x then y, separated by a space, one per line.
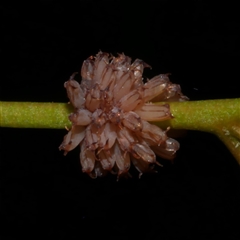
pixel 208 115
pixel 221 117
pixel 34 115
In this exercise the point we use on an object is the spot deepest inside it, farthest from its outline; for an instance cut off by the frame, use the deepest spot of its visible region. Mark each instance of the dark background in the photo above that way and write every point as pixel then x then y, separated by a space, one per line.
pixel 44 194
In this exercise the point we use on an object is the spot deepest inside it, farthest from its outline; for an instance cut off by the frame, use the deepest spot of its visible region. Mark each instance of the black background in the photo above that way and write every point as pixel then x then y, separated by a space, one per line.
pixel 44 194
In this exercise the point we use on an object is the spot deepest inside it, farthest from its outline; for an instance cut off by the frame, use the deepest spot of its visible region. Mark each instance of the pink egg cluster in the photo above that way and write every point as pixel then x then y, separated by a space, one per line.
pixel 113 108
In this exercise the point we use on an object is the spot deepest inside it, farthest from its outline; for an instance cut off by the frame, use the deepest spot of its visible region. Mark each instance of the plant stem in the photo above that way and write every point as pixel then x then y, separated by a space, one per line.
pixel 221 117
pixel 34 115
pixel 208 115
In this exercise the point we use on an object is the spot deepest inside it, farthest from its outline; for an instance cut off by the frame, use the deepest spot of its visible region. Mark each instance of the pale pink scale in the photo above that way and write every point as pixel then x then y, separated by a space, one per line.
pixel 152 134
pixel 141 165
pixel 87 69
pixel 144 152
pixel 72 139
pixel 123 87
pixel 91 138
pixel 108 136
pixel 130 101
pixel 87 159
pixel 132 121
pixel 154 87
pixel 75 93
pixel 81 117
pixel 101 62
pixel 106 159
pixel 107 78
pixel 92 103
pixel 154 112
pixel 122 159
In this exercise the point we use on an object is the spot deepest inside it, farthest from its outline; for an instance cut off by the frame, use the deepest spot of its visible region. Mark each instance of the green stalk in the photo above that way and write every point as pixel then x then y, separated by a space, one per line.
pixel 208 115
pixel 34 115
pixel 221 117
